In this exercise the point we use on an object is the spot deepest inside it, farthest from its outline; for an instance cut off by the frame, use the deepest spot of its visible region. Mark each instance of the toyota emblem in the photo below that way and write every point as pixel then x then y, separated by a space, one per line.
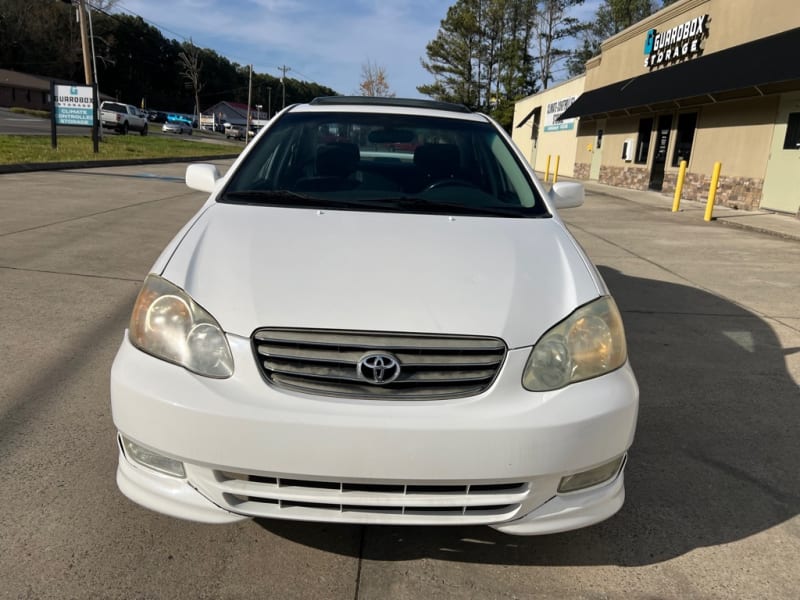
pixel 378 368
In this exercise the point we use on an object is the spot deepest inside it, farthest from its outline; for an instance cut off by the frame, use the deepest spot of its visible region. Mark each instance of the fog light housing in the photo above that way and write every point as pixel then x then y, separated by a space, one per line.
pixel 152 460
pixel 592 477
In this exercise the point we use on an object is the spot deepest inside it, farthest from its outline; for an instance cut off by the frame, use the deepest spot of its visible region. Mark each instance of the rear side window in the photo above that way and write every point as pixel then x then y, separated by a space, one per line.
pixel 374 158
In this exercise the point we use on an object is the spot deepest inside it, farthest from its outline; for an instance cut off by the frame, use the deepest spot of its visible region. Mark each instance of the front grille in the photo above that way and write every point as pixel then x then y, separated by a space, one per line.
pixel 326 362
pixel 352 502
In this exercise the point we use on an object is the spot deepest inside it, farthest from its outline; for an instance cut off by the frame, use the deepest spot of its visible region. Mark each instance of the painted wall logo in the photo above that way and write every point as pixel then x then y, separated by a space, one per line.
pixel 678 43
pixel 553 112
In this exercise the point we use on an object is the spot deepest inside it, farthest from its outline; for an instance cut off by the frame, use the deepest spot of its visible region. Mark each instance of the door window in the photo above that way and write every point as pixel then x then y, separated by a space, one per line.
pixel 792 140
pixel 687 123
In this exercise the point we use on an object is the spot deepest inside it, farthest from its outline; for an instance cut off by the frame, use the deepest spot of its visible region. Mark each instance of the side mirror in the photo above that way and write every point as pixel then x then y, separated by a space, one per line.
pixel 202 177
pixel 567 194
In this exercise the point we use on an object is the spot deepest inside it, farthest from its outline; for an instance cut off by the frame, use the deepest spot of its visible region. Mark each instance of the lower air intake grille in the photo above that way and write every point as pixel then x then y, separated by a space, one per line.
pixel 259 496
pixel 379 365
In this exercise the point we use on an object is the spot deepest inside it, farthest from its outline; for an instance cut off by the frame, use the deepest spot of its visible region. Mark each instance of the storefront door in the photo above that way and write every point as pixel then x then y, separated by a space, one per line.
pixel 660 156
pixel 782 181
pixel 597 151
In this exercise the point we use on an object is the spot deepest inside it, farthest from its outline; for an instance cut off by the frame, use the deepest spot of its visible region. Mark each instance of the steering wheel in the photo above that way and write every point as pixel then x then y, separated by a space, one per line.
pixel 450 183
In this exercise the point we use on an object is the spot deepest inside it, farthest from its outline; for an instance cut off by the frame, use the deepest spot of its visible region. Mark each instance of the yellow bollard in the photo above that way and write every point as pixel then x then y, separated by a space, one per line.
pixel 676 202
pixel 555 171
pixel 712 191
pixel 547 169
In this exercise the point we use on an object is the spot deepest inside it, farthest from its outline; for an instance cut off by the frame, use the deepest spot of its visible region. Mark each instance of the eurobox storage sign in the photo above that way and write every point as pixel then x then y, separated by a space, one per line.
pixel 676 43
pixel 74 105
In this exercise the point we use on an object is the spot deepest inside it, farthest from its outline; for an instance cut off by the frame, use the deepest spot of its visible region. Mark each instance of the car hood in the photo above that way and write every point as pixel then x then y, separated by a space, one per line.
pixel 257 266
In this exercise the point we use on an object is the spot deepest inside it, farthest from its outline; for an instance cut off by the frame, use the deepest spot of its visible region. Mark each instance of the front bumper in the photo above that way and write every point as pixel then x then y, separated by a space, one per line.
pixel 252 450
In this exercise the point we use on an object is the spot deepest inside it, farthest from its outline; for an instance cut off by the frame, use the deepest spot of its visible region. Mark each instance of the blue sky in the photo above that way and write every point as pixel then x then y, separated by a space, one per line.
pixel 325 41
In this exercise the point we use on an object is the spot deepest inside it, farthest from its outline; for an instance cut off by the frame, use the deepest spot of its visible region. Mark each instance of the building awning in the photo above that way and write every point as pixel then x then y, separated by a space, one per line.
pixel 766 66
pixel 528 117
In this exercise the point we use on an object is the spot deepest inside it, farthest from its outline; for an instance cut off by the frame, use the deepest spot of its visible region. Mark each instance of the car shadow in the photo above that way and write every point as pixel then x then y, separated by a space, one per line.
pixel 714 460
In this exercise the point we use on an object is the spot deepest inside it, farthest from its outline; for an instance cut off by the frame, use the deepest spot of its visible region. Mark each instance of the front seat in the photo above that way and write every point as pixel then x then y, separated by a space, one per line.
pixel 436 162
pixel 334 165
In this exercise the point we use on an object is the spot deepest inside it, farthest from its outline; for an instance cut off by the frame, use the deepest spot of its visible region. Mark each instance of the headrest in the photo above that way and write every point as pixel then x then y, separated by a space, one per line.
pixel 337 160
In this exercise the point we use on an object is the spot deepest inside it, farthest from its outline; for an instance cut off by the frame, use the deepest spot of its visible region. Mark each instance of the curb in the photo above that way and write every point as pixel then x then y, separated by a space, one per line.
pixel 625 195
pixel 89 164
pixel 755 228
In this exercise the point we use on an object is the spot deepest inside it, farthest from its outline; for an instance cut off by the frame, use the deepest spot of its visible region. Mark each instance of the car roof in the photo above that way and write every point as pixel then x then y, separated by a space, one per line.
pixel 399 106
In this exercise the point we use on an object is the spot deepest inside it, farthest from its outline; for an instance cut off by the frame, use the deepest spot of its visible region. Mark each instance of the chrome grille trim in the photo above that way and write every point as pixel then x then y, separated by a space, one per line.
pixel 260 496
pixel 324 362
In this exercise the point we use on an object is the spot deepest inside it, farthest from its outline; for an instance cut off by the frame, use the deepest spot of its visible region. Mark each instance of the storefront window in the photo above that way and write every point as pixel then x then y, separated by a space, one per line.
pixel 683 144
pixel 792 140
pixel 643 141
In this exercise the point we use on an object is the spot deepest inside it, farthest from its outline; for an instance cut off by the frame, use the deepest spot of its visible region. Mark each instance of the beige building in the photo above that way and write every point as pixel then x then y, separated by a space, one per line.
pixel 701 81
pixel 539 133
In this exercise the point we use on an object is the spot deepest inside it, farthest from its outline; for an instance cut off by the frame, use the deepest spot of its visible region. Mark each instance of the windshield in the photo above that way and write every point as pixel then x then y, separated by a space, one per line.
pixel 385 162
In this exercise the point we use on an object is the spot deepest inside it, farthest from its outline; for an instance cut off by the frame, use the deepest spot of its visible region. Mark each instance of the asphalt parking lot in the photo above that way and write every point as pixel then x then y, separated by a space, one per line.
pixel 713 320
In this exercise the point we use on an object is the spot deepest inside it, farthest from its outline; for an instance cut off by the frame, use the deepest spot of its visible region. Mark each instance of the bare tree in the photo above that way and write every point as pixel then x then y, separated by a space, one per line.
pixel 191 66
pixel 552 27
pixel 373 81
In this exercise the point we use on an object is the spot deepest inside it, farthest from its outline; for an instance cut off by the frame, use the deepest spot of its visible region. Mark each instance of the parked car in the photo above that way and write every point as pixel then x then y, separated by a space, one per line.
pixel 235 132
pixel 176 127
pixel 122 117
pixel 354 335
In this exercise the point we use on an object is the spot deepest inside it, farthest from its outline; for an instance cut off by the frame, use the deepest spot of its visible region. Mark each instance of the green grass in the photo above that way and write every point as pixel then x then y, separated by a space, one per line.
pixel 15 149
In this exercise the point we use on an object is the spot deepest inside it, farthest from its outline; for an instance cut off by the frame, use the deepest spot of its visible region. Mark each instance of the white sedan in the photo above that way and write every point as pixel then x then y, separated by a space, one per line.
pixel 176 127
pixel 377 317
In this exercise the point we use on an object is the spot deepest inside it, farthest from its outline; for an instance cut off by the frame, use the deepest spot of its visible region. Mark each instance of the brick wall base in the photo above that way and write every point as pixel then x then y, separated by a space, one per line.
pixel 743 193
pixel 581 170
pixel 634 178
pixel 736 192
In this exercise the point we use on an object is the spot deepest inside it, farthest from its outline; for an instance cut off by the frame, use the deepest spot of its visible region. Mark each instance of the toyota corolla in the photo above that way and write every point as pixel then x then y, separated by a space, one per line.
pixel 376 317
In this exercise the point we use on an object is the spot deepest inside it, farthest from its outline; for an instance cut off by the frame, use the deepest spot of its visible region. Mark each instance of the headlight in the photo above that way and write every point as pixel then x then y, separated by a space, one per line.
pixel 588 343
pixel 171 326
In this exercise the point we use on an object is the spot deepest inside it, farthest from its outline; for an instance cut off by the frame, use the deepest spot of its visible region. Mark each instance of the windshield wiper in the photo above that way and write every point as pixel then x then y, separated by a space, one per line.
pixel 412 203
pixel 289 198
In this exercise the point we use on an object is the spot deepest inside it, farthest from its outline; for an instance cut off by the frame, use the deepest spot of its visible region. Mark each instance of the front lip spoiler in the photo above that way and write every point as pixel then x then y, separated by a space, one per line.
pixel 566 512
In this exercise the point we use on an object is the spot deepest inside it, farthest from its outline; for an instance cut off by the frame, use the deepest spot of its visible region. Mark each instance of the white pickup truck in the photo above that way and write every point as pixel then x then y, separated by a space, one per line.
pixel 122 117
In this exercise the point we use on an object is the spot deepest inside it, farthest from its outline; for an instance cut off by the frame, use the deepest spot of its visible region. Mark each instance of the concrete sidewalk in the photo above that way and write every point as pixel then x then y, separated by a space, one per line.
pixel 784 226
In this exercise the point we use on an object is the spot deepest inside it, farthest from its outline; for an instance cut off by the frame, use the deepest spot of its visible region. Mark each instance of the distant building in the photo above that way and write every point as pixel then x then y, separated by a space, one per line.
pixel 701 81
pixel 234 113
pixel 24 91
pixel 538 132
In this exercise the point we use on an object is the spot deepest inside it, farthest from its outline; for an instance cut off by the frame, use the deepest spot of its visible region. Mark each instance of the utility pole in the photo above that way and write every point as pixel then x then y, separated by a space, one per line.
pixel 269 103
pixel 94 73
pixel 283 69
pixel 87 63
pixel 249 98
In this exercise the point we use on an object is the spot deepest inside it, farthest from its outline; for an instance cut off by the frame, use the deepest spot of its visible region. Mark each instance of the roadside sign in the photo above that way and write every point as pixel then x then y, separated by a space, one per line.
pixel 74 105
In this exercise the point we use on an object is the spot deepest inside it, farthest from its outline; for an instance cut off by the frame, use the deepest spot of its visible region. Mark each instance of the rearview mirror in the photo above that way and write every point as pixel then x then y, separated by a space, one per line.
pixel 567 194
pixel 391 136
pixel 202 177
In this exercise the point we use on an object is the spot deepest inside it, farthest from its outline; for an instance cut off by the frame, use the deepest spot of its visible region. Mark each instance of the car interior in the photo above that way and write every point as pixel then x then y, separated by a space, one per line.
pixel 448 163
